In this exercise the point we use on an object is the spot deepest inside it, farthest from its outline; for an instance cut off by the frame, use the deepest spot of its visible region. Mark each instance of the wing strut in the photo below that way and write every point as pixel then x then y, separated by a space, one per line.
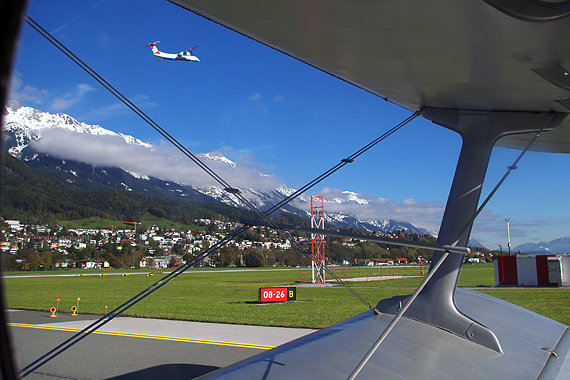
pixel 440 261
pixel 435 303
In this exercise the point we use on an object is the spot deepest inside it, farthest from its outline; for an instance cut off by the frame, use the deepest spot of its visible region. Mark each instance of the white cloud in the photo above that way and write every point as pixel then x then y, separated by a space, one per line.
pixel 162 162
pixel 112 110
pixel 72 20
pixel 104 112
pixel 25 94
pixel 68 99
pixel 60 104
pixel 426 214
pixel 167 163
pixel 254 97
pixel 491 229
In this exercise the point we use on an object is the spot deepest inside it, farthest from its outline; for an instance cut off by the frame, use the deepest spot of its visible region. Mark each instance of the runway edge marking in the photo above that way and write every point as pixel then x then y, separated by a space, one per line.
pixel 147 336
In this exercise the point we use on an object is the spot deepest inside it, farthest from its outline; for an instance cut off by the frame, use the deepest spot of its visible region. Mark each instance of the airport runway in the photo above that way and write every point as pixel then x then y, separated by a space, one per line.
pixel 135 348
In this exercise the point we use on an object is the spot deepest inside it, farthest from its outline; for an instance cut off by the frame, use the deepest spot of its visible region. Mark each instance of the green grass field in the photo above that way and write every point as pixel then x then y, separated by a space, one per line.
pixel 231 297
pixel 90 223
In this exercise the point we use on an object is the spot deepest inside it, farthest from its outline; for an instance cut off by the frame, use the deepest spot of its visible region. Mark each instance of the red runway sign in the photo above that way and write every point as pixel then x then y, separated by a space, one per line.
pixel 277 294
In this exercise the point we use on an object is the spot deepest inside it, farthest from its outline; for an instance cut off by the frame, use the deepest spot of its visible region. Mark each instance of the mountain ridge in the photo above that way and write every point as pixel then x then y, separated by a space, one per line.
pixel 559 245
pixel 22 129
pixel 25 128
pixel 33 195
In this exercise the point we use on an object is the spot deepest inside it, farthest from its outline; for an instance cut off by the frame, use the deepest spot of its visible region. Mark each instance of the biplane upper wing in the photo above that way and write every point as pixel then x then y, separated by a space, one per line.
pixel 498 55
pixel 493 70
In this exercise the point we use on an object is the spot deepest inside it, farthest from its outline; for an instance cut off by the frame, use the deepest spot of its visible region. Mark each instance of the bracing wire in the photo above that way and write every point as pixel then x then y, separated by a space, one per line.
pixel 235 192
pixel 120 309
pixel 124 100
pixel 440 261
pixel 226 186
pixel 396 319
pixel 344 162
pixel 175 273
pixel 499 183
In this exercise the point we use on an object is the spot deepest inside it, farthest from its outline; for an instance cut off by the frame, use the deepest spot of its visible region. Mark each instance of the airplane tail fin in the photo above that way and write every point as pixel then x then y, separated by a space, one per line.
pixel 154 48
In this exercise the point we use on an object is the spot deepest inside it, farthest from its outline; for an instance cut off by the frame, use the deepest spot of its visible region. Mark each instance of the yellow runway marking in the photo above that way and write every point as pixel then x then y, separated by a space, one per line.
pixel 147 336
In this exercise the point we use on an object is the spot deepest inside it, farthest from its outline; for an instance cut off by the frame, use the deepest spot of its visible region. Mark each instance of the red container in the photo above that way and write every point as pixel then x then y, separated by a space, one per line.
pixel 508 270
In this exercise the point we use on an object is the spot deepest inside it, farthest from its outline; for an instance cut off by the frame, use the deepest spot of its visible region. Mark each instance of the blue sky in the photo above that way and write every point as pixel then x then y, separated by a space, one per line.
pixel 265 110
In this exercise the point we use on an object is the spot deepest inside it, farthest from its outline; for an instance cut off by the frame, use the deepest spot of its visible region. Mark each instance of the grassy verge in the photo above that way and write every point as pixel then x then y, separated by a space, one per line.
pixel 91 223
pixel 231 297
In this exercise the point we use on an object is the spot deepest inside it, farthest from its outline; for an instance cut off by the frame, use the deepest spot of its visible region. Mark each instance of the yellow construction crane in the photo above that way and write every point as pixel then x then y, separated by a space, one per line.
pixel 133 223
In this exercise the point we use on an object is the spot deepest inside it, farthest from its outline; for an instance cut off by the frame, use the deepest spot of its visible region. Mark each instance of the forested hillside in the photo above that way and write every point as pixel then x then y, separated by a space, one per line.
pixel 31 195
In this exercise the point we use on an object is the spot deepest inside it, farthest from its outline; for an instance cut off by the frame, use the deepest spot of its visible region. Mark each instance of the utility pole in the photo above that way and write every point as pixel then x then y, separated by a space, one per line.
pixel 508 220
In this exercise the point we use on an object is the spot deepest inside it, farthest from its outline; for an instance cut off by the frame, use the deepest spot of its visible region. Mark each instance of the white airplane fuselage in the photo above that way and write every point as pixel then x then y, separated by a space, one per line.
pixel 182 56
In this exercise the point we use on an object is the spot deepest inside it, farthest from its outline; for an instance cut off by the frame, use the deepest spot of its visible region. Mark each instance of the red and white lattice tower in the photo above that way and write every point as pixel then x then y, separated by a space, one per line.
pixel 318 240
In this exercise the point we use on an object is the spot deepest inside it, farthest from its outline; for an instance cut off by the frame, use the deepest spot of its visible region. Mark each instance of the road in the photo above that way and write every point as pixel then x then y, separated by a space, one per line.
pixel 156 272
pixel 129 348
pixel 165 272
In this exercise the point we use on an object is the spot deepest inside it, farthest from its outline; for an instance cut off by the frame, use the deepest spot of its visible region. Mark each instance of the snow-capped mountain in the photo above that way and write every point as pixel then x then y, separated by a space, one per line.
pixel 475 243
pixel 25 124
pixel 217 156
pixel 337 206
pixel 24 128
pixel 560 245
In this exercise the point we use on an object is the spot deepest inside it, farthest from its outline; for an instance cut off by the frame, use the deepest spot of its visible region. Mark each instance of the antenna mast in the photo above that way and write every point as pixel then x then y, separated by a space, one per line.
pixel 318 240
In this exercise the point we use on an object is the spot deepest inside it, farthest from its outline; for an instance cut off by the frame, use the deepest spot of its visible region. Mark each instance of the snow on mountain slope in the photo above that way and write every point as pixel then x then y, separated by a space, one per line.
pixel 27 124
pixel 24 128
pixel 560 245
pixel 217 156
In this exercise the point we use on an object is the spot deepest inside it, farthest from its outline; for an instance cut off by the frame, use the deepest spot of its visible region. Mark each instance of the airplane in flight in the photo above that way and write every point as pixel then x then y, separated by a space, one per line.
pixel 185 55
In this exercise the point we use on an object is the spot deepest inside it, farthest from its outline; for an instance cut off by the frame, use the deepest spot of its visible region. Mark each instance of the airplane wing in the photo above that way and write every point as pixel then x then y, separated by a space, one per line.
pixel 333 352
pixel 467 54
pixel 497 61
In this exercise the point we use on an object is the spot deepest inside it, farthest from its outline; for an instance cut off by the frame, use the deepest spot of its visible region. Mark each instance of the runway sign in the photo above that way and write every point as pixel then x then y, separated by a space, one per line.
pixel 281 294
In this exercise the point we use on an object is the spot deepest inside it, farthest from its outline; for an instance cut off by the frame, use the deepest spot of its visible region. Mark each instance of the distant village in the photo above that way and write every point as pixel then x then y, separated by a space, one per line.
pixel 48 247
pixel 111 247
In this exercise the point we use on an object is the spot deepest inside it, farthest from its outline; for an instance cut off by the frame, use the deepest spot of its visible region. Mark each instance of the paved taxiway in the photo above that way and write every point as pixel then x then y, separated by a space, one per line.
pixel 131 348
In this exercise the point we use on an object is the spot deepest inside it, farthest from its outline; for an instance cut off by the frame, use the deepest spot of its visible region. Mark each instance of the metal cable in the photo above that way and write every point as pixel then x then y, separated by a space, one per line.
pixel 488 198
pixel 344 162
pixel 172 140
pixel 430 274
pixel 157 285
pixel 123 99
pixel 396 319
pixel 126 305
